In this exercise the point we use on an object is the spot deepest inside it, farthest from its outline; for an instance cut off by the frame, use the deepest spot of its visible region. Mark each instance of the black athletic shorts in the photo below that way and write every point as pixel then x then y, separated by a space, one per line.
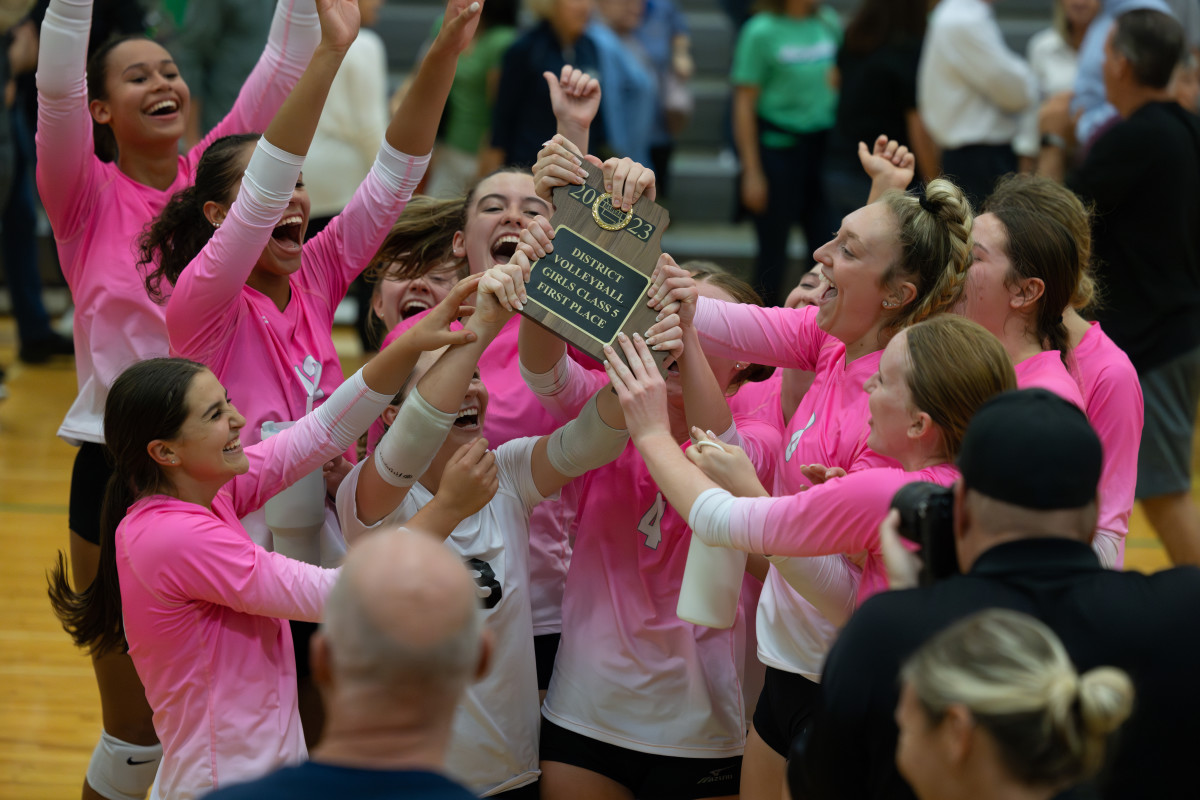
pixel 785 708
pixel 545 650
pixel 644 774
pixel 302 632
pixel 89 478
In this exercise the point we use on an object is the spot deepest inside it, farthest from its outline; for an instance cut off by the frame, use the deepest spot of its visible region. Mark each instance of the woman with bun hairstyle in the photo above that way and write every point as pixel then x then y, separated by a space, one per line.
pixel 108 145
pixel 893 263
pixel 1112 394
pixel 918 414
pixel 1024 273
pixel 992 707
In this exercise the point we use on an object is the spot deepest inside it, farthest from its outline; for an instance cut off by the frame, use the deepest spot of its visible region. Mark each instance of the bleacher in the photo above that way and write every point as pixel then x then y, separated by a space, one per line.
pixel 704 168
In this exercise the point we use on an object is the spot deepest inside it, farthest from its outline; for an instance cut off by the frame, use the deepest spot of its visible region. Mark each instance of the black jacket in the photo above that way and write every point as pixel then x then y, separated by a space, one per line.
pixel 1146 625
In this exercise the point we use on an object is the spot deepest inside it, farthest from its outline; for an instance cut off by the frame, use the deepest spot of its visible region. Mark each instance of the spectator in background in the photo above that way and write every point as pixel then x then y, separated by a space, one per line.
pixel 667 45
pixel 992 707
pixel 344 147
pixel 219 43
pixel 522 117
pixel 468 120
pixel 877 77
pixel 1053 55
pixel 1093 111
pixel 783 108
pixel 971 90
pixel 1148 256
pixel 630 93
pixel 400 642
pixel 352 125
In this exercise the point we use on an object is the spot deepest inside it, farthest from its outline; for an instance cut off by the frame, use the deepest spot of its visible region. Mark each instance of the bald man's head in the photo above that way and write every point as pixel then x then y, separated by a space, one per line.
pixel 402 616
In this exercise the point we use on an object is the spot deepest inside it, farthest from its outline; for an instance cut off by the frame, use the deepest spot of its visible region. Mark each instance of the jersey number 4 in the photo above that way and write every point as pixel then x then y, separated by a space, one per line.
pixel 651 524
pixel 487 587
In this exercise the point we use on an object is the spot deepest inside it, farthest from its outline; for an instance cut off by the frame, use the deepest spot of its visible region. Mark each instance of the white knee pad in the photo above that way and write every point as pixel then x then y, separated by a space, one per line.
pixel 122 771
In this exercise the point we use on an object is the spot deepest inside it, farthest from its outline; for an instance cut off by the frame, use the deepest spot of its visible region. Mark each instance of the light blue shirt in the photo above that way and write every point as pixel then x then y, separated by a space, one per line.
pixel 1090 97
pixel 629 95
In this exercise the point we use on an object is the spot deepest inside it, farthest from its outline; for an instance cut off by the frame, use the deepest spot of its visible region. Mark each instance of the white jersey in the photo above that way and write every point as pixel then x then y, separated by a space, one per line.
pixel 494 744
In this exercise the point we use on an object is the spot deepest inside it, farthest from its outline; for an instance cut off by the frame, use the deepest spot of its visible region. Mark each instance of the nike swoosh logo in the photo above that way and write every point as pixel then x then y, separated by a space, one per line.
pixel 133 763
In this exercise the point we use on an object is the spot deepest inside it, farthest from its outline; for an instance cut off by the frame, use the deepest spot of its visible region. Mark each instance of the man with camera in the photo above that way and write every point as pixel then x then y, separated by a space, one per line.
pixel 1023 516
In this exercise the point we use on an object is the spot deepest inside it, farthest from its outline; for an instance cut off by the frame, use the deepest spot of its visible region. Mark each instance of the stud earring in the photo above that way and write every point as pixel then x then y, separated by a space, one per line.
pixel 739 365
pixel 888 304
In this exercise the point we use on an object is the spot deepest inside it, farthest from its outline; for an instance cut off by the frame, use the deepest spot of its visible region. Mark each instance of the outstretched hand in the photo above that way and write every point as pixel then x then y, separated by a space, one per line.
pixel 340 20
pixel 458 26
pixel 889 162
pixel 559 163
pixel 673 291
pixel 628 180
pixel 432 331
pixel 819 473
pixel 639 386
pixel 574 97
pixel 903 566
pixel 502 290
pixel 726 465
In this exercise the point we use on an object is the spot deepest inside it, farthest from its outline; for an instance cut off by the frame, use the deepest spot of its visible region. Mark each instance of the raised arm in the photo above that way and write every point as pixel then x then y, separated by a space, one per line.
pixel 204 303
pixel 278 461
pixel 347 245
pixel 412 441
pixel 292 42
pixel 66 164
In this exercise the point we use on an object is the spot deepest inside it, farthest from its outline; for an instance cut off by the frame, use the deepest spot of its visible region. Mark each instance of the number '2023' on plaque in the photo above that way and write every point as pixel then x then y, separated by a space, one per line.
pixel 586 286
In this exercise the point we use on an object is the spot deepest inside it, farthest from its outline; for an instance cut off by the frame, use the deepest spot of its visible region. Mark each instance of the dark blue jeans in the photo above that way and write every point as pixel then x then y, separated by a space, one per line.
pixel 795 194
pixel 18 240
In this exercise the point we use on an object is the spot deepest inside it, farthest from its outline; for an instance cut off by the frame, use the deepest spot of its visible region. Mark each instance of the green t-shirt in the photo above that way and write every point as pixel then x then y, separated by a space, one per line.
pixel 469 109
pixel 789 59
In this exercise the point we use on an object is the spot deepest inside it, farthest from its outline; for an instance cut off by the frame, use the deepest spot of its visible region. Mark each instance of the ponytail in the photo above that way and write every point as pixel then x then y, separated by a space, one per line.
pixel 935 249
pixel 93 616
pixel 178 234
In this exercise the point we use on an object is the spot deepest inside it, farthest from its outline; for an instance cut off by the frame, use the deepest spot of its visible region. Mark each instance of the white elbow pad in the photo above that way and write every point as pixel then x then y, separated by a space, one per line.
pixel 585 443
pixel 546 384
pixel 410 444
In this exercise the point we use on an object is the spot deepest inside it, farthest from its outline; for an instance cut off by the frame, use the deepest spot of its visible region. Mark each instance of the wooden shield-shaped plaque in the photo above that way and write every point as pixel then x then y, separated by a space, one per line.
pixel 593 286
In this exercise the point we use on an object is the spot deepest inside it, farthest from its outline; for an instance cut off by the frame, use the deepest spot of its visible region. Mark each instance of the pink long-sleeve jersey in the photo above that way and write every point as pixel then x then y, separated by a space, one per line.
pixel 1112 398
pixel 97 212
pixel 1047 371
pixel 202 607
pixel 829 427
pixel 839 516
pixel 629 671
pixel 257 351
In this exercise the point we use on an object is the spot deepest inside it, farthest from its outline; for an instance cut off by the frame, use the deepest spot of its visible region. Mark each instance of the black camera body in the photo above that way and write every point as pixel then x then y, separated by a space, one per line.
pixel 927 518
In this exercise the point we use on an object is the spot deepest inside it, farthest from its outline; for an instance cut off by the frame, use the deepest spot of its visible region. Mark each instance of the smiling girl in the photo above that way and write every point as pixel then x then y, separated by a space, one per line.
pixel 259 310
pixel 132 105
pixel 892 264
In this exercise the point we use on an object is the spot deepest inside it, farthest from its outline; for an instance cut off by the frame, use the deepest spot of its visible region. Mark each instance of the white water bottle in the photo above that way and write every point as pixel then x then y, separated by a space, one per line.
pixel 712 585
pixel 297 514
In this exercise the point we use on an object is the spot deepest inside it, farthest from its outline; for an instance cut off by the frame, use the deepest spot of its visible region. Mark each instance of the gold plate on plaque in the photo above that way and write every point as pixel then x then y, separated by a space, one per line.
pixel 609 219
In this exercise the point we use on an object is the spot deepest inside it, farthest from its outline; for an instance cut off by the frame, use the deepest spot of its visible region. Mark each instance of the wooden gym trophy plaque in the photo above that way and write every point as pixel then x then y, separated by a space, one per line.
pixel 593 286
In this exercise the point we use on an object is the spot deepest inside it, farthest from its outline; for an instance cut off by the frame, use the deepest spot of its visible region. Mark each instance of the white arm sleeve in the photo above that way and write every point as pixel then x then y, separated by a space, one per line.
pixel 410 444
pixel 709 517
pixel 585 443
pixel 351 409
pixel 399 172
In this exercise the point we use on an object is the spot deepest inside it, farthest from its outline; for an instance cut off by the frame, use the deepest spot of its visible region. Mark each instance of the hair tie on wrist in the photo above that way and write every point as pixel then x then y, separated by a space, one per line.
pixel 927 204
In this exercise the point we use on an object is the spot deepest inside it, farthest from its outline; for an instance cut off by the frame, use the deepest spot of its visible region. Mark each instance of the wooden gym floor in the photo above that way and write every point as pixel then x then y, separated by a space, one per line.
pixel 49 708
